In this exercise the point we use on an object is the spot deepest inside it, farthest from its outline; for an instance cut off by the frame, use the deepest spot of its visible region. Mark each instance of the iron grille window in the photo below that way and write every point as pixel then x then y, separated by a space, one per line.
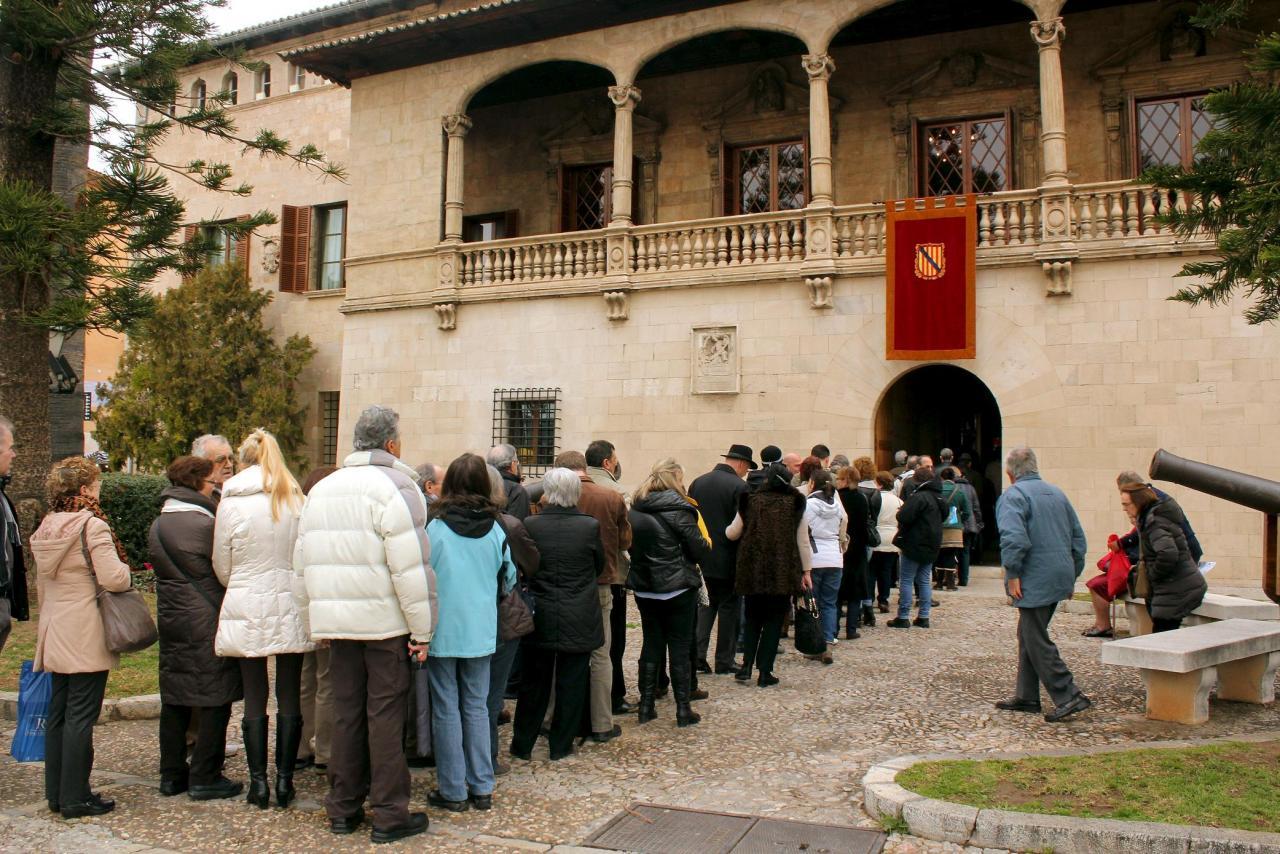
pixel 587 197
pixel 1169 129
pixel 965 156
pixel 529 419
pixel 329 427
pixel 768 177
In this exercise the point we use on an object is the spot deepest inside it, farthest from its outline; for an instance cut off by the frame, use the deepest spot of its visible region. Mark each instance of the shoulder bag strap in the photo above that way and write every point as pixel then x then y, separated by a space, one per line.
pixel 217 609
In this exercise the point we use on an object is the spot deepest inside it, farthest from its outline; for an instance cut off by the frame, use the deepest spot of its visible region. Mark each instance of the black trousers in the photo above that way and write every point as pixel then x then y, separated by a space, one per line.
pixel 1039 660
pixel 570 672
pixel 883 565
pixel 668 626
pixel 209 753
pixel 764 615
pixel 74 707
pixel 253 671
pixel 618 641
pixel 1159 625
pixel 722 611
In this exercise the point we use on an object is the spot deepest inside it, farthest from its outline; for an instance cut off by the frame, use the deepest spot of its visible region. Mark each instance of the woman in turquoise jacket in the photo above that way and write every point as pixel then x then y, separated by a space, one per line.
pixel 468 552
pixel 957 511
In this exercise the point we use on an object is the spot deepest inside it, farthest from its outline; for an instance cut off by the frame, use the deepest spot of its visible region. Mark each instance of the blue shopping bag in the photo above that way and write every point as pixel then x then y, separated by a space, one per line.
pixel 34 691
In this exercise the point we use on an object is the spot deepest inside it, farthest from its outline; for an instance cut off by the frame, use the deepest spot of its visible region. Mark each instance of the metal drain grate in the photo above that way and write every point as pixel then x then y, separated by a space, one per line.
pixel 653 829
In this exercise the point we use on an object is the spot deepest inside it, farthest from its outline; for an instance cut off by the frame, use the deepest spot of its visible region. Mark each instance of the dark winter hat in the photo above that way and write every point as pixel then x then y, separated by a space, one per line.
pixel 770 454
pixel 741 452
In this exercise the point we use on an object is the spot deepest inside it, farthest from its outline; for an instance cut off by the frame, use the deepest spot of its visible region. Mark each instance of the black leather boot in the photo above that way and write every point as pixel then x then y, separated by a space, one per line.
pixel 868 615
pixel 288 737
pixel 255 756
pixel 648 689
pixel 682 688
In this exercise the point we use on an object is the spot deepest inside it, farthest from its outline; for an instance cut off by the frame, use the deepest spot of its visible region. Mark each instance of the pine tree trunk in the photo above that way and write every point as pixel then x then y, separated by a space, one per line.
pixel 27 85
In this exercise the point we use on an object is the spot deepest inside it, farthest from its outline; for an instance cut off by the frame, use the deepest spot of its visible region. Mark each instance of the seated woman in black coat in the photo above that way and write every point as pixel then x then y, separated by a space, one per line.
pixel 566 618
pixel 667 544
pixel 188 601
pixel 1177 586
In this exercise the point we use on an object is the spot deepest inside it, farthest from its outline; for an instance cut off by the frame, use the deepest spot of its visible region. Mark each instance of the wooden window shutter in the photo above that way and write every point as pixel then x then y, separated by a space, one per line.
pixel 295 248
pixel 511 224
pixel 242 248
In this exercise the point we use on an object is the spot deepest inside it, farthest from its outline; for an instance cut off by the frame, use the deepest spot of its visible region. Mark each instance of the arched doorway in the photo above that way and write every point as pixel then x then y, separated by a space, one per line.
pixel 943 406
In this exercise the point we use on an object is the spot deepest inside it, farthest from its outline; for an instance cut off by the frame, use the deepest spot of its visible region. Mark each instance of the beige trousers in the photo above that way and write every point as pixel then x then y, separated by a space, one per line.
pixel 317 705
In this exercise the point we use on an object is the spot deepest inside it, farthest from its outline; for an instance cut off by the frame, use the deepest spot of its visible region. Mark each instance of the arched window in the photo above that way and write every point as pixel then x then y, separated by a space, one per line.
pixel 262 82
pixel 231 88
pixel 198 94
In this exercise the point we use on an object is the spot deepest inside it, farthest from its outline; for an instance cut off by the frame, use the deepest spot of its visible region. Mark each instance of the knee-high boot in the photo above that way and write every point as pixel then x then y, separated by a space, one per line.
pixel 288 737
pixel 255 755
pixel 648 691
pixel 681 687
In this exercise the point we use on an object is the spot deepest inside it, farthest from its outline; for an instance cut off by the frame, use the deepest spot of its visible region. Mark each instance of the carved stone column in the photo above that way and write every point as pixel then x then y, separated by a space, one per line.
pixel 819 67
pixel 1048 36
pixel 624 99
pixel 456 126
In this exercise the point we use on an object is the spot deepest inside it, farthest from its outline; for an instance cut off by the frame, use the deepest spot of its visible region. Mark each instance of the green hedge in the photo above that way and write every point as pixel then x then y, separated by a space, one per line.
pixel 132 502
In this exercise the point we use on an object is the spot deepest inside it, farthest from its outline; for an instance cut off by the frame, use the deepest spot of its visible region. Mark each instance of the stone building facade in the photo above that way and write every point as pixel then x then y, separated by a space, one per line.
pixel 575 220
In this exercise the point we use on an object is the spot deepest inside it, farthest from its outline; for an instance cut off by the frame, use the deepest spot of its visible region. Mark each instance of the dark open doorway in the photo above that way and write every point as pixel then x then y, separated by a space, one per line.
pixel 943 406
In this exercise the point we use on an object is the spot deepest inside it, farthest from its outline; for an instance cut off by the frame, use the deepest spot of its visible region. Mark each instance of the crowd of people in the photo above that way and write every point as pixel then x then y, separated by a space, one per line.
pixel 368 577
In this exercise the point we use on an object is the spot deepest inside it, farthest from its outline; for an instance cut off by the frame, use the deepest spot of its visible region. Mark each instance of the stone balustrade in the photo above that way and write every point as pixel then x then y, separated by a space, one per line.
pixel 727 242
pixel 576 255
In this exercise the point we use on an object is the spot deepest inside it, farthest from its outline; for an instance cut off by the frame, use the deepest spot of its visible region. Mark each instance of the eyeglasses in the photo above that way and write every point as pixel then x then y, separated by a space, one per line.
pixel 221 458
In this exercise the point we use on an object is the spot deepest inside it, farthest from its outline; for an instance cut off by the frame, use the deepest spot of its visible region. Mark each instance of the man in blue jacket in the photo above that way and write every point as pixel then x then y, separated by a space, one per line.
pixel 1042 546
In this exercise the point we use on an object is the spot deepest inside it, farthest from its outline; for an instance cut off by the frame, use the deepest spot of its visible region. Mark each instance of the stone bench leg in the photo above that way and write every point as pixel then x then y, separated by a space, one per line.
pixel 1139 619
pixel 1179 697
pixel 1249 680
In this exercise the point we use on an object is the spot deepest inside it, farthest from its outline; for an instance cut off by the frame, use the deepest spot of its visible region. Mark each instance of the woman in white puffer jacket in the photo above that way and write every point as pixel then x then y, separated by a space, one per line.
pixel 253 539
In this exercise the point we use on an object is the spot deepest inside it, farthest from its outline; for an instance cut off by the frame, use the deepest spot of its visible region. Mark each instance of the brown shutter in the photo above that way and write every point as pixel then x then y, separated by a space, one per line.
pixel 728 181
pixel 242 247
pixel 566 199
pixel 511 224
pixel 295 248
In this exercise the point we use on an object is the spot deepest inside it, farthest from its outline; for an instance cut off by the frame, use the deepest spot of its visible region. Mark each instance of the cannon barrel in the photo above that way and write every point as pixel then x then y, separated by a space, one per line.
pixel 1244 489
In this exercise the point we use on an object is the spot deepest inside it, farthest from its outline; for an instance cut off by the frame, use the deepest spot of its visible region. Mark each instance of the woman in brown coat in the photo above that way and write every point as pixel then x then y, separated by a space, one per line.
pixel 75 551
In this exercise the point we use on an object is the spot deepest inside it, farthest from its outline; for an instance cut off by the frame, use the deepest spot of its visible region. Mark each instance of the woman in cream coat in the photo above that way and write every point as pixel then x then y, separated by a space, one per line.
pixel 253 539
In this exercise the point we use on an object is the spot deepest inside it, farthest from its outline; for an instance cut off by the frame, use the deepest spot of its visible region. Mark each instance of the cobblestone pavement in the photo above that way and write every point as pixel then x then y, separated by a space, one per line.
pixel 796 751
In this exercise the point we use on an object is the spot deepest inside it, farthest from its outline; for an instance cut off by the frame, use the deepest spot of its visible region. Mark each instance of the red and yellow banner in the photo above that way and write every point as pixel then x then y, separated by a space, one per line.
pixel 931 256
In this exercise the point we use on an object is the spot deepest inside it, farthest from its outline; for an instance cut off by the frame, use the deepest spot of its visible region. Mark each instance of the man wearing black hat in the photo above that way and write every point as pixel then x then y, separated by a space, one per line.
pixel 770 454
pixel 717 494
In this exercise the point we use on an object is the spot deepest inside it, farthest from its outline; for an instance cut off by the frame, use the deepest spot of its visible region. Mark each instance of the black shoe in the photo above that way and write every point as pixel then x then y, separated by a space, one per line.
pixel 767 679
pixel 704 667
pixel 304 763
pixel 422 761
pixel 743 675
pixel 169 788
pixel 504 717
pixel 321 766
pixel 556 757
pixel 624 708
pixel 602 737
pixel 699 694
pixel 724 671
pixel 899 623
pixel 921 622
pixel 868 615
pixel 95 805
pixel 416 824
pixel 288 738
pixel 646 711
pixel 1016 705
pixel 343 826
pixel 223 788
pixel 527 757
pixel 1099 633
pixel 255 756
pixel 1079 704
pixel 438 800
pixel 851 632
pixel 884 607
pixel 481 802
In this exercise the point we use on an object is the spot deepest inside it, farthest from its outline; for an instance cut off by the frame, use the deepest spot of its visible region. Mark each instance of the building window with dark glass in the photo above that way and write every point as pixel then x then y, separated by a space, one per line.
pixel 220 246
pixel 331 246
pixel 528 419
pixel 586 197
pixel 1168 130
pixel 766 177
pixel 490 226
pixel 965 156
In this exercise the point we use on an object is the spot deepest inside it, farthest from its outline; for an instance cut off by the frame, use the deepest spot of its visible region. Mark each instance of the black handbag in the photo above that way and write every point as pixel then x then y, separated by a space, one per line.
pixel 515 620
pixel 808 628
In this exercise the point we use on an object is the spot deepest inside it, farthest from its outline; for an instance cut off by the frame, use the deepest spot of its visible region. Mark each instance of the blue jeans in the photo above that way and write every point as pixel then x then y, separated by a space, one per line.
pixel 914 576
pixel 460 726
pixel 499 673
pixel 870 592
pixel 826 588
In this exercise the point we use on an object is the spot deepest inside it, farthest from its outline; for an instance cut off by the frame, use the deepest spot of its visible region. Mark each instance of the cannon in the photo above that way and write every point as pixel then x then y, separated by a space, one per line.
pixel 1246 490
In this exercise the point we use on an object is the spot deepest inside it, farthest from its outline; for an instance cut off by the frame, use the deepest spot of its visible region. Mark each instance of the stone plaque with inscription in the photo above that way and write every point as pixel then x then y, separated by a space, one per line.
pixel 715 360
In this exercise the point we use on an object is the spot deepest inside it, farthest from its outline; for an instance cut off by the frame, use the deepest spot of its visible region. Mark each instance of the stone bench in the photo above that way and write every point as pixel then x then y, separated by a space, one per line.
pixel 1182 666
pixel 1214 608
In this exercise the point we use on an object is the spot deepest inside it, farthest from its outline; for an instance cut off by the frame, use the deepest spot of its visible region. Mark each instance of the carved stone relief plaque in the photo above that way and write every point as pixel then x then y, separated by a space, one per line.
pixel 715 360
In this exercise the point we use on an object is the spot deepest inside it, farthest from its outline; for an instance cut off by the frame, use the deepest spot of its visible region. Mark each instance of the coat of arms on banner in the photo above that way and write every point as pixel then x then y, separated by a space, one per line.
pixel 931 260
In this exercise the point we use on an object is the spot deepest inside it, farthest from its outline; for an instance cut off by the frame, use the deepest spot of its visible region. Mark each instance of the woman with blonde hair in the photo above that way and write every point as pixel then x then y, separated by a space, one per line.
pixel 667 545
pixel 254 533
pixel 75 552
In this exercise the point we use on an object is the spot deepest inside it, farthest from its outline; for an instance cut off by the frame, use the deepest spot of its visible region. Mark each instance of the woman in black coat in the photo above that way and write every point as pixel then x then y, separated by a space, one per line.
pixel 854 588
pixel 188 601
pixel 1177 586
pixel 566 618
pixel 667 544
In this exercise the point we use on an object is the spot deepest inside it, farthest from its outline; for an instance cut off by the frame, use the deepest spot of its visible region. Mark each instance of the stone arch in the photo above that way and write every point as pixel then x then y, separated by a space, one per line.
pixel 761 19
pixel 1040 8
pixel 503 64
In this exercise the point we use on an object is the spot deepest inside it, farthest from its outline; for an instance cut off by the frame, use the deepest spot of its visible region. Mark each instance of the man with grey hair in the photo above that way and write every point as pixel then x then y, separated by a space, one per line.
pixel 505 459
pixel 216 449
pixel 1042 547
pixel 907 473
pixel 946 457
pixel 13 571
pixel 899 463
pixel 374 615
pixel 430 477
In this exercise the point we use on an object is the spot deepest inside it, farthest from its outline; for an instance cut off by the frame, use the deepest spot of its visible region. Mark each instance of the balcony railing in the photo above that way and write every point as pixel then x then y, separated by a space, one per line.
pixel 740 241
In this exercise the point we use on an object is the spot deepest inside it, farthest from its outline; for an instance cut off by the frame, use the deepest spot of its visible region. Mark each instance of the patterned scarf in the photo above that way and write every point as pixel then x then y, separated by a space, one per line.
pixel 76 503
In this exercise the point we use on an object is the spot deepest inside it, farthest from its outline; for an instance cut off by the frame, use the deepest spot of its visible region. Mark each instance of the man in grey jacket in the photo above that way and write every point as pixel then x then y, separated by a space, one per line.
pixel 1043 548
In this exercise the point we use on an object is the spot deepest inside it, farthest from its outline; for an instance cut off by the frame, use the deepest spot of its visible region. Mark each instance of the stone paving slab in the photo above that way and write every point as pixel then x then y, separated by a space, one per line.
pixel 796 751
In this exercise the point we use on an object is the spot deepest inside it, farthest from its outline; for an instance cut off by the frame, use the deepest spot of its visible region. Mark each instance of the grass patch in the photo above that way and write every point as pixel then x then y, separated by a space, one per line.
pixel 1232 784
pixel 138 673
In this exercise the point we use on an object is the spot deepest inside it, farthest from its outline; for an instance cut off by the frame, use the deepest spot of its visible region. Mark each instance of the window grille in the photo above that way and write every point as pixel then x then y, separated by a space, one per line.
pixel 529 419
pixel 1169 129
pixel 768 177
pixel 965 156
pixel 329 427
